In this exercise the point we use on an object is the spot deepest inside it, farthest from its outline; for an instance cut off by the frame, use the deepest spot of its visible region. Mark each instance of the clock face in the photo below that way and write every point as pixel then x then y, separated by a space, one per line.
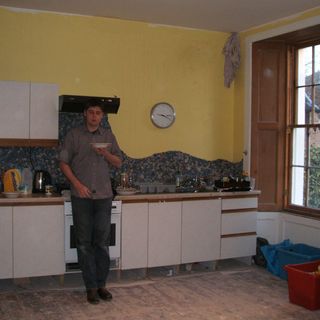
pixel 162 115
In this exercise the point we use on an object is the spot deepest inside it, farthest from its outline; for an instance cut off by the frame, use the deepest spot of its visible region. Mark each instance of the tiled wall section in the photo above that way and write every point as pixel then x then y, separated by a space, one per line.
pixel 160 167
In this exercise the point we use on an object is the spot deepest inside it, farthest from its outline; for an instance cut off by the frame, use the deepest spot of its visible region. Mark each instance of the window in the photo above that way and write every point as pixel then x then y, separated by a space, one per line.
pixel 304 162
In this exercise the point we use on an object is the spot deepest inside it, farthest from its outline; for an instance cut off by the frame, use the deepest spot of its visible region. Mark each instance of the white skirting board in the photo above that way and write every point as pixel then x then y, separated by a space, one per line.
pixel 277 226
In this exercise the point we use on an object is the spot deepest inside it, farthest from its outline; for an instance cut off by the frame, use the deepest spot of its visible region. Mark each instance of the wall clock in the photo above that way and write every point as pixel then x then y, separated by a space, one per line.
pixel 163 115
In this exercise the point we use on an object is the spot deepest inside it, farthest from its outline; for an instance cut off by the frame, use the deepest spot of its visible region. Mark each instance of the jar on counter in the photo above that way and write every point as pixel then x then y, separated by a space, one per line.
pixel 26 183
pixel 124 180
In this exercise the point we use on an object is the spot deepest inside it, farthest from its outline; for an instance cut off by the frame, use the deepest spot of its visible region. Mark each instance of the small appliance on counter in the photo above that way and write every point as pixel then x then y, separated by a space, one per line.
pixel 41 178
pixel 11 180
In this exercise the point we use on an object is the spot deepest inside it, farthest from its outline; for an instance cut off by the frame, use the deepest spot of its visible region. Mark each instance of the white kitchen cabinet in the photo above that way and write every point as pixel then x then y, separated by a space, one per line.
pixel 6 253
pixel 44 111
pixel 14 106
pixel 200 230
pixel 38 241
pixel 238 227
pixel 164 240
pixel 134 235
pixel 29 110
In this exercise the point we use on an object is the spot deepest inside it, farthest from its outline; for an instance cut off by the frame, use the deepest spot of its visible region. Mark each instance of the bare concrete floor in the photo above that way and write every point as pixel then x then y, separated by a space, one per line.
pixel 234 290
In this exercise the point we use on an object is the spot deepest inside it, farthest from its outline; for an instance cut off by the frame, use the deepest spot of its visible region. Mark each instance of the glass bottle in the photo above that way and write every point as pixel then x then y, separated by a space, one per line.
pixel 124 180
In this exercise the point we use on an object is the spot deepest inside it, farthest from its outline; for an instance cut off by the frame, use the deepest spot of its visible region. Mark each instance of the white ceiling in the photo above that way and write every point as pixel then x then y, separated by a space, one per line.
pixel 216 15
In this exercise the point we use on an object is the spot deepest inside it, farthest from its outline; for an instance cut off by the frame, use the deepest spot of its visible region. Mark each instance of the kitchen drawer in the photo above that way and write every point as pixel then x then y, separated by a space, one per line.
pixel 238 246
pixel 238 222
pixel 239 203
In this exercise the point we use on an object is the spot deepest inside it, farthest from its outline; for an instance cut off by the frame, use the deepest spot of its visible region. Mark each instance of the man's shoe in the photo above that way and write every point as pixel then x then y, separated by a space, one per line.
pixel 92 296
pixel 104 294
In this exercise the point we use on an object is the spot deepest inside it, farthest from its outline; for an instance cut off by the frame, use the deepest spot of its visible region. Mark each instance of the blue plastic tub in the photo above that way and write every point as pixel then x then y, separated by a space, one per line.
pixel 284 253
pixel 295 254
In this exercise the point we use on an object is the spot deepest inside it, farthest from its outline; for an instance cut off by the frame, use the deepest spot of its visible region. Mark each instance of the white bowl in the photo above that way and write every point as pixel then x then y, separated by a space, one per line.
pixel 11 194
pixel 126 191
pixel 101 145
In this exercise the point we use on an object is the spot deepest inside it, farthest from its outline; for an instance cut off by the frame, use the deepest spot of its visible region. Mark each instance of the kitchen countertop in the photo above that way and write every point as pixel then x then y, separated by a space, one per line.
pixel 151 197
pixel 57 199
pixel 34 199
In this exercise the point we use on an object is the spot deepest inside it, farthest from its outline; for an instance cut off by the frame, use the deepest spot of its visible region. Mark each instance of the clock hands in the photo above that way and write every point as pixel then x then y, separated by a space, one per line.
pixel 168 116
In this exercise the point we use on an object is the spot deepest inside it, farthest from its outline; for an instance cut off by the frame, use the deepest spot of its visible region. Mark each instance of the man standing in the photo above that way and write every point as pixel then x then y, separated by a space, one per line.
pixel 87 169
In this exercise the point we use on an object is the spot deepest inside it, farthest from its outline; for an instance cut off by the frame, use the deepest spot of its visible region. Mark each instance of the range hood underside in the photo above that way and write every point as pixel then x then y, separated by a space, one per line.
pixel 75 104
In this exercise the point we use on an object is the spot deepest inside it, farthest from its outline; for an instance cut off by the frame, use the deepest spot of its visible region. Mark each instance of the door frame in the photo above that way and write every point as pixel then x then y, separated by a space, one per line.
pixel 248 77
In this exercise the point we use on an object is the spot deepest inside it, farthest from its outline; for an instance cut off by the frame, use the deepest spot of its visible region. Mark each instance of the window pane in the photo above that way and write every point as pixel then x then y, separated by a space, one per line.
pixel 297 186
pixel 298 147
pixel 314 146
pixel 316 105
pixel 305 66
pixel 304 106
pixel 314 188
pixel 317 64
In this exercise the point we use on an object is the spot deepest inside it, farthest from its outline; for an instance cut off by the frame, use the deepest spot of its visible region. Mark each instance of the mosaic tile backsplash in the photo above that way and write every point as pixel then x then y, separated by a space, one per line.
pixel 159 167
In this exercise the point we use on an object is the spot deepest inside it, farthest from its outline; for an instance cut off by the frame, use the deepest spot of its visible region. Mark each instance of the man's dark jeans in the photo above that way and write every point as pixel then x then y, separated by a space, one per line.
pixel 92 220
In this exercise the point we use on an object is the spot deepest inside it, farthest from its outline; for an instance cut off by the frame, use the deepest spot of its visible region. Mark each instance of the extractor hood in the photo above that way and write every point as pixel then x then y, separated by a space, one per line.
pixel 75 104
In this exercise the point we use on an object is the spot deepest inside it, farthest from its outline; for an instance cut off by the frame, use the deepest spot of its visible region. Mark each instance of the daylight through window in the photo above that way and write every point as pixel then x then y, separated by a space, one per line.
pixel 305 149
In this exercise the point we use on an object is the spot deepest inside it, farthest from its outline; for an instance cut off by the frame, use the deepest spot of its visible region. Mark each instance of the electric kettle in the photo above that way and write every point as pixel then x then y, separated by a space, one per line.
pixel 41 178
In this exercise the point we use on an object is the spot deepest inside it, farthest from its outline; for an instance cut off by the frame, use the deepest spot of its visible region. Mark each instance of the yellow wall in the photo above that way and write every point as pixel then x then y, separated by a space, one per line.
pixel 141 63
pixel 239 83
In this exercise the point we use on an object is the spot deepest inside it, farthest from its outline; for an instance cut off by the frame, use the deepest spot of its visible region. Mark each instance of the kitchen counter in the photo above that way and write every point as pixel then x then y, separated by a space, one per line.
pixel 56 199
pixel 32 199
pixel 155 197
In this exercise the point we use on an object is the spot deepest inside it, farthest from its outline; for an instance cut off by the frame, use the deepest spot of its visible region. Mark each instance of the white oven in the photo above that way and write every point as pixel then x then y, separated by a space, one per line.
pixel 71 256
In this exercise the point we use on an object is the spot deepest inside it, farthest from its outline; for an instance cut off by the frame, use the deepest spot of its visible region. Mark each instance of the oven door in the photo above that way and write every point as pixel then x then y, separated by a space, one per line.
pixel 114 245
pixel 71 255
pixel 70 252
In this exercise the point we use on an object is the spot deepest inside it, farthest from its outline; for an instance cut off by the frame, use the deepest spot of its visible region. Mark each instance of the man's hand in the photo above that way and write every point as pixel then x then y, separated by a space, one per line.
pixel 82 190
pixel 101 151
pixel 107 155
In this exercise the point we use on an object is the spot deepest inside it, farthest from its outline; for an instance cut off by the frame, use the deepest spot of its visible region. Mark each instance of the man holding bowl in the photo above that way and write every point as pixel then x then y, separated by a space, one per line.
pixel 86 164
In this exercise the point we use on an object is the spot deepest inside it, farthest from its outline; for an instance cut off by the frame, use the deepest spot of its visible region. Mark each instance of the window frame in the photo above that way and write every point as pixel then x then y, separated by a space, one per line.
pixel 292 86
